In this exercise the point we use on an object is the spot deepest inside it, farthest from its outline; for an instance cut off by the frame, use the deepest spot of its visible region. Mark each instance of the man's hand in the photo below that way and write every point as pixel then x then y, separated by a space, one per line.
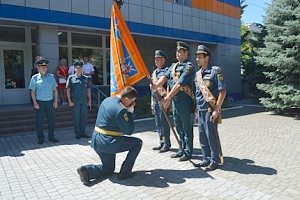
pixel 71 104
pixel 165 102
pixel 153 87
pixel 214 116
pixel 55 104
pixel 36 105
pixel 89 103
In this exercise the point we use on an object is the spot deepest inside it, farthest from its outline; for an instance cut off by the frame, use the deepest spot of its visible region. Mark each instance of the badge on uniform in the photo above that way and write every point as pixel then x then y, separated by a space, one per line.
pixel 125 116
pixel 189 69
pixel 74 80
pixel 220 76
pixel 207 83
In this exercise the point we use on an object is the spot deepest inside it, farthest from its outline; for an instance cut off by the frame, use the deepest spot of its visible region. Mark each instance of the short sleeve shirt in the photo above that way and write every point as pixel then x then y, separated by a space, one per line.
pixel 43 86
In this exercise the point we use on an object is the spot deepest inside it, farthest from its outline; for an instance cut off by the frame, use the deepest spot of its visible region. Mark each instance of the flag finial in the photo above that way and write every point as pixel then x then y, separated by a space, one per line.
pixel 119 2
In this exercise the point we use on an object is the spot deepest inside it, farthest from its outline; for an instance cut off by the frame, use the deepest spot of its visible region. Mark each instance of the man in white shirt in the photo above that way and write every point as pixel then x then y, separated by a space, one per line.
pixel 87 68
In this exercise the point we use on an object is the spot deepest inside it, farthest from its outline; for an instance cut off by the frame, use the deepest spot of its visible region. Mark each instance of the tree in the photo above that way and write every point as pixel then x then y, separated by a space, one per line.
pixel 281 57
pixel 243 7
pixel 252 71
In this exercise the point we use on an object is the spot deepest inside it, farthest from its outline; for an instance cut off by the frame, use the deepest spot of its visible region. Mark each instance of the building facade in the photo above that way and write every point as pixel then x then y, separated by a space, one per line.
pixel 72 29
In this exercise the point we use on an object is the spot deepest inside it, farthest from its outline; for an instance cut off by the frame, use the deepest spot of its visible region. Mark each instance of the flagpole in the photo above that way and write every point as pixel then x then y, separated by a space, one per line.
pixel 119 3
pixel 159 97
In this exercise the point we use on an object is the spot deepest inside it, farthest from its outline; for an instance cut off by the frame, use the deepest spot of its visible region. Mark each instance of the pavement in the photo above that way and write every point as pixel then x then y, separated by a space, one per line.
pixel 261 153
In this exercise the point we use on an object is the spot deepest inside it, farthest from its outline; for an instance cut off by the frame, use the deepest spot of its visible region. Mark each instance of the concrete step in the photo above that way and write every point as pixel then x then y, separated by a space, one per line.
pixel 31 127
pixel 22 121
pixel 14 121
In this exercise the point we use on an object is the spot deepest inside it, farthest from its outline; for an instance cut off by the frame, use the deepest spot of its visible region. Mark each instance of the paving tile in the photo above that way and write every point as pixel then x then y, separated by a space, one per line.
pixel 256 166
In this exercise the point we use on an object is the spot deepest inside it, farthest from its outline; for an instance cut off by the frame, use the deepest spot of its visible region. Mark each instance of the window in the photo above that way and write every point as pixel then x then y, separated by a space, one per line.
pixel 34 36
pixel 63 53
pixel 11 34
pixel 14 69
pixel 79 39
pixel 62 38
pixel 95 58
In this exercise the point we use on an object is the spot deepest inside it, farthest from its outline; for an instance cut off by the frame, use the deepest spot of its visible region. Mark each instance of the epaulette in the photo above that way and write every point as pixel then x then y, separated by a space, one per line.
pixel 35 75
pixel 189 63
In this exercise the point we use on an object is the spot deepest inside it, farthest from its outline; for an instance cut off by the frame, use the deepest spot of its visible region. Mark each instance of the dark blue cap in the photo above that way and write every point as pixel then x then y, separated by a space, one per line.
pixel 77 63
pixel 203 49
pixel 182 45
pixel 159 54
pixel 39 60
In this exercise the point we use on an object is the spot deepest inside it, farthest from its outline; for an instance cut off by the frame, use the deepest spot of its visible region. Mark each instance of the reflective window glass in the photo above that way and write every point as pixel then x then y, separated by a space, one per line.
pixel 79 39
pixel 63 52
pixel 95 58
pixel 11 34
pixel 62 38
pixel 34 36
pixel 14 69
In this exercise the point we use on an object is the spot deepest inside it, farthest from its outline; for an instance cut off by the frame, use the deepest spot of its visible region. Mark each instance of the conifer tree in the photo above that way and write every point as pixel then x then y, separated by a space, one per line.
pixel 281 56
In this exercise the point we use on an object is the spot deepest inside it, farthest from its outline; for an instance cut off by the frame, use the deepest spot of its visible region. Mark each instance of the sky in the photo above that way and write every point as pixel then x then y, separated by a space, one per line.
pixel 255 11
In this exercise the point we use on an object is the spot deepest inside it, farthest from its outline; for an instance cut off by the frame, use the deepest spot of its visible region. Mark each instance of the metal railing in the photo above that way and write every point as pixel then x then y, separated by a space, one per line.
pixel 97 94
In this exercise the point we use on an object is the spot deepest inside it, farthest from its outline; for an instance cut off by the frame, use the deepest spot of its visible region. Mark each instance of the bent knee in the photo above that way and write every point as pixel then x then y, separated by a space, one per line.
pixel 109 170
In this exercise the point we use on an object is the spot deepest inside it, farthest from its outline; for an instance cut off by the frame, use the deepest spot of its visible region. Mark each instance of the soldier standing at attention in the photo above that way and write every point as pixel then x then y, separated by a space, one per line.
pixel 114 122
pixel 79 97
pixel 160 120
pixel 44 97
pixel 210 94
pixel 181 82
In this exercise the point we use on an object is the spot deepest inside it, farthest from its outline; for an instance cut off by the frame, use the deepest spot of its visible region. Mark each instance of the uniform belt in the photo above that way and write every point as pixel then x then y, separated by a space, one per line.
pixel 107 132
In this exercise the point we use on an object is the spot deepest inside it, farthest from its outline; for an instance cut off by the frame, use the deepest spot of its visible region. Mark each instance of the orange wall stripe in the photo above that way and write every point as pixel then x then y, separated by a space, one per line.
pixel 217 7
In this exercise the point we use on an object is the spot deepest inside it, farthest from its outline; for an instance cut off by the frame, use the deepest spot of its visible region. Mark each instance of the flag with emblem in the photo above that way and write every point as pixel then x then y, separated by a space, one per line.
pixel 126 64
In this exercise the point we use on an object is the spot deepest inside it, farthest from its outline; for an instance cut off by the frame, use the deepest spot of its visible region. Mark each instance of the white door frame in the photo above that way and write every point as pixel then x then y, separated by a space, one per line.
pixel 18 95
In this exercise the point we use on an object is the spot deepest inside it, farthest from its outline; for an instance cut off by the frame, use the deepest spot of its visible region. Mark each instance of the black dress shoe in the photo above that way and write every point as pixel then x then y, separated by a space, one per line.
pixel 157 148
pixel 84 176
pixel 53 140
pixel 211 167
pixel 202 164
pixel 164 149
pixel 123 176
pixel 85 136
pixel 184 158
pixel 177 155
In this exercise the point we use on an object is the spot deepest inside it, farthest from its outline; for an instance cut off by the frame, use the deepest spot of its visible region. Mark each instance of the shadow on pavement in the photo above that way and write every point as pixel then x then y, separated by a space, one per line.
pixel 161 178
pixel 242 110
pixel 14 146
pixel 245 166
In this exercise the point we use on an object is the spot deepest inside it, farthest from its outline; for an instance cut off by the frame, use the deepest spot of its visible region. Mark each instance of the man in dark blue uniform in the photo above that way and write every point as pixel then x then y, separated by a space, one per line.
pixel 44 98
pixel 162 126
pixel 210 94
pixel 114 121
pixel 79 97
pixel 181 82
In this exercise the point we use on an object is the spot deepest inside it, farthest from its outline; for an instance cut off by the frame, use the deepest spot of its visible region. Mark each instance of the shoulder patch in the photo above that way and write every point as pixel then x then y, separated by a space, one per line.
pixel 217 68
pixel 125 116
pixel 189 69
pixel 220 76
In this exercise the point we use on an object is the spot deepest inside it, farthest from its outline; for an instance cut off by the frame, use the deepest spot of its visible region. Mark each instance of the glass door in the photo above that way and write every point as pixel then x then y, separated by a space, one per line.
pixel 13 77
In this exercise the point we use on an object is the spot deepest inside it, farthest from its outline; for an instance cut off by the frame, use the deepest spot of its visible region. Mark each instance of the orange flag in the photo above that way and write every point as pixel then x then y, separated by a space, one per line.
pixel 126 64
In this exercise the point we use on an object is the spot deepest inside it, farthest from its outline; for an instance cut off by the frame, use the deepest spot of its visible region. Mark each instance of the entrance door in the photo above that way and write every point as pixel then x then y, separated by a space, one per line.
pixel 12 87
